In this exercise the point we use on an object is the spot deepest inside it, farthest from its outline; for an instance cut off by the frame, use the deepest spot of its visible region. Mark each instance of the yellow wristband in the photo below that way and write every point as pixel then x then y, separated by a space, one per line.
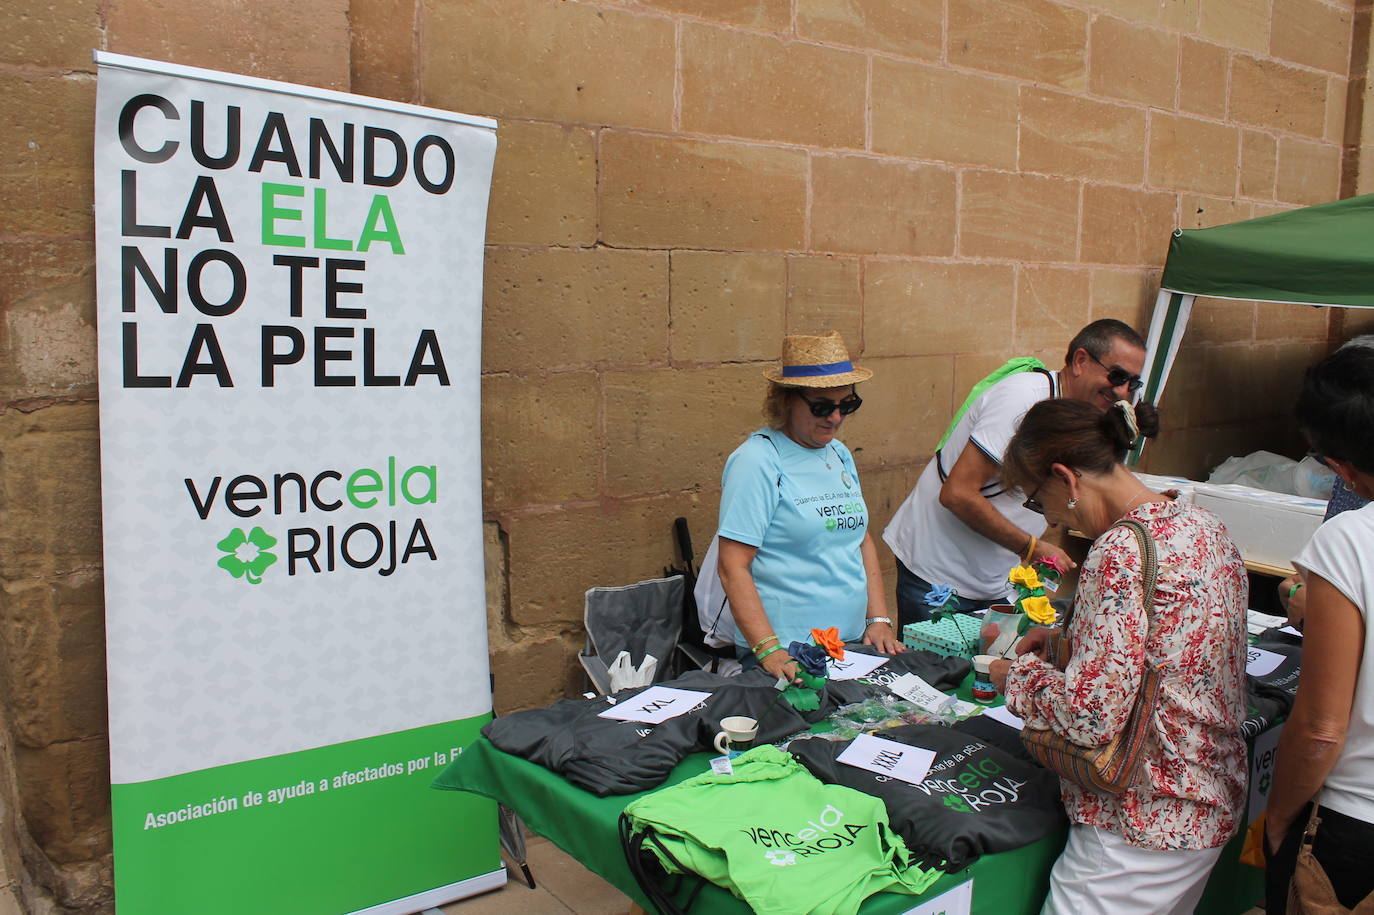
pixel 762 642
pixel 768 652
pixel 1030 548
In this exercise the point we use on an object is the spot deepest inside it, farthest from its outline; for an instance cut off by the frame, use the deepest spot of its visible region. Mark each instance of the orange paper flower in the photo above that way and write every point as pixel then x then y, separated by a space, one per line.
pixel 830 640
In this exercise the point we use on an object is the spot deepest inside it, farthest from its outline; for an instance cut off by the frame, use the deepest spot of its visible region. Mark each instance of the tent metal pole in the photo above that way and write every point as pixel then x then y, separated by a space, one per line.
pixel 1170 319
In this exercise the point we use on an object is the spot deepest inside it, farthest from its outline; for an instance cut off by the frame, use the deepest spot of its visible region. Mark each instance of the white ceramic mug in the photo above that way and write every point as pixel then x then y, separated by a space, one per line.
pixel 737 734
pixel 982 682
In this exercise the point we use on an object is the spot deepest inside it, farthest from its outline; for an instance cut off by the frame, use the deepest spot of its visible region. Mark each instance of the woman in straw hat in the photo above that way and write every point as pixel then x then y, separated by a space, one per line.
pixel 795 550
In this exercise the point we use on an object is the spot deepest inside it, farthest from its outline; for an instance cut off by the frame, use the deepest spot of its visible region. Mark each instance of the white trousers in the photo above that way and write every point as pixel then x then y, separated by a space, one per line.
pixel 1099 874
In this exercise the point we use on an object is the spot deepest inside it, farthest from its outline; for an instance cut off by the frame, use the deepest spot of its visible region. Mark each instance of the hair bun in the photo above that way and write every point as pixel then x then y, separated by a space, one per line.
pixel 1147 419
pixel 1128 416
pixel 1125 424
pixel 1117 428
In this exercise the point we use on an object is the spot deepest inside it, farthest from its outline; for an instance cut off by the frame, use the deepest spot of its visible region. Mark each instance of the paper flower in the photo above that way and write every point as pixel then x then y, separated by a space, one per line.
pixel 1039 609
pixel 830 640
pixel 807 696
pixel 1025 577
pixel 811 658
pixel 939 595
pixel 1051 566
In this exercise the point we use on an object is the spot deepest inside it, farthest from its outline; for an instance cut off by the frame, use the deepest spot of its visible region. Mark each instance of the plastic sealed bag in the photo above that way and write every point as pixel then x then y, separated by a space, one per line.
pixel 1262 470
pixel 1276 473
pixel 1313 479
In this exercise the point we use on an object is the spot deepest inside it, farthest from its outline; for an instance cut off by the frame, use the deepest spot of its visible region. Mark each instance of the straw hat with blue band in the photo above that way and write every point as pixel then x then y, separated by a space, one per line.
pixel 811 361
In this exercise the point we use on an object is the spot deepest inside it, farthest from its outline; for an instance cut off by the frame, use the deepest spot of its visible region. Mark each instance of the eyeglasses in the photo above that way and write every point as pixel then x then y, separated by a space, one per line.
pixel 1033 503
pixel 823 408
pixel 1117 376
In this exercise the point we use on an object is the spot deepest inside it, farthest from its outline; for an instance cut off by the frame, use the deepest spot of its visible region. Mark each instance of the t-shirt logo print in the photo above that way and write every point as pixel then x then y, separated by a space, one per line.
pixel 955 802
pixel 780 857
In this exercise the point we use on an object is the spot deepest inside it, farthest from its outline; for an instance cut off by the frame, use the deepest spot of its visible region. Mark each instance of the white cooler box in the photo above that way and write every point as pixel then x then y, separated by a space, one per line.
pixel 1269 527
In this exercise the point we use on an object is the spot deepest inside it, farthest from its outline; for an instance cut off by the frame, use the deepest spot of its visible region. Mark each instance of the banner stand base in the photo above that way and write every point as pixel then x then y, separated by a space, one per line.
pixel 441 895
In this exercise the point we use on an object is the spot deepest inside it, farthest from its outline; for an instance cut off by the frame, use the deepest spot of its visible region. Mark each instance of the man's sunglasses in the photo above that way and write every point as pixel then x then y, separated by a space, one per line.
pixel 823 408
pixel 1117 376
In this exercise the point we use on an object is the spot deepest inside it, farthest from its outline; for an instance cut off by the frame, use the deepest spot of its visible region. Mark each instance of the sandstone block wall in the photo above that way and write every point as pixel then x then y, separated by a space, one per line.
pixel 678 183
pixel 947 182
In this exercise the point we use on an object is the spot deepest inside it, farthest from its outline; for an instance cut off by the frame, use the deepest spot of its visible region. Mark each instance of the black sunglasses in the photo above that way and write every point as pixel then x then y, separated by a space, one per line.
pixel 1117 376
pixel 823 408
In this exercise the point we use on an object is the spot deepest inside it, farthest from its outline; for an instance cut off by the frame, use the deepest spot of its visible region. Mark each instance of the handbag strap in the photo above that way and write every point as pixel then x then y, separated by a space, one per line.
pixel 1149 563
pixel 1313 821
pixel 1149 570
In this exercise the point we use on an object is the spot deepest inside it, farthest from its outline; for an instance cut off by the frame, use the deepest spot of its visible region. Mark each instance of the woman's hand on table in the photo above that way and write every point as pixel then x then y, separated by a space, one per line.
pixel 997 673
pixel 781 665
pixel 1036 641
pixel 882 637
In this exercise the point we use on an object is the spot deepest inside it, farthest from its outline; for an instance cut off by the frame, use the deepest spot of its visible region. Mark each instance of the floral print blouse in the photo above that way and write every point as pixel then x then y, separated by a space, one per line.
pixel 1193 780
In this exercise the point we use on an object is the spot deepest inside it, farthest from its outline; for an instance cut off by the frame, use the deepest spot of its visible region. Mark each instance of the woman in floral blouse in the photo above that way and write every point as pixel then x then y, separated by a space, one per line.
pixel 1150 848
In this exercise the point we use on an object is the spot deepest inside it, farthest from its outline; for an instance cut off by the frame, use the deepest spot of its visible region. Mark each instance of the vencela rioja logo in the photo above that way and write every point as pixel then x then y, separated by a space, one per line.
pixel 246 554
pixel 312 546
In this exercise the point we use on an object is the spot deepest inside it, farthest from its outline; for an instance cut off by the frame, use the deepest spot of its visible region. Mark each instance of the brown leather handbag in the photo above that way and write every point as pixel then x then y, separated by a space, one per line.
pixel 1310 892
pixel 1114 766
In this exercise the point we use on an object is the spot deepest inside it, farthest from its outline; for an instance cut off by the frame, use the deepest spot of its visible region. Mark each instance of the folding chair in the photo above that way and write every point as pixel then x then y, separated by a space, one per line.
pixel 704 650
pixel 644 618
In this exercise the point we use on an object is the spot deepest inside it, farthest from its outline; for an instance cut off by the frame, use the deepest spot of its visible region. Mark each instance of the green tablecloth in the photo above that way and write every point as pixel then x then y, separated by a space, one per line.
pixel 585 826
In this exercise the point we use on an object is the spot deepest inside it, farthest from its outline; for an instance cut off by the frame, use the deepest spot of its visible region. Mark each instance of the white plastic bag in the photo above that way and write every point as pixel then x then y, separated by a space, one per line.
pixel 1314 479
pixel 624 674
pixel 713 609
pixel 1276 473
pixel 1262 470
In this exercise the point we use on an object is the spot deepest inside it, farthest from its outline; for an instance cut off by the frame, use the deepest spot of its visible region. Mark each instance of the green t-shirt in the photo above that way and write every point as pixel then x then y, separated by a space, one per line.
pixel 779 838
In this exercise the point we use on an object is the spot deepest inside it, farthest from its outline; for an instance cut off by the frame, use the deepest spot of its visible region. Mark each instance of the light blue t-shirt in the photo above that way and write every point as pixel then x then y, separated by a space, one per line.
pixel 807 520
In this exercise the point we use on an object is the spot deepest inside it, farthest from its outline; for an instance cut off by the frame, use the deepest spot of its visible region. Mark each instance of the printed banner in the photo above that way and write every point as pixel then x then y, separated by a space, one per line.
pixel 289 297
pixel 1263 754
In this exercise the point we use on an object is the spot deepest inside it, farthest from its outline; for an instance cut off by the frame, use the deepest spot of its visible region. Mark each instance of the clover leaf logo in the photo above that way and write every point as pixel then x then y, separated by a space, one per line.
pixel 780 857
pixel 247 555
pixel 1264 781
pixel 830 524
pixel 955 802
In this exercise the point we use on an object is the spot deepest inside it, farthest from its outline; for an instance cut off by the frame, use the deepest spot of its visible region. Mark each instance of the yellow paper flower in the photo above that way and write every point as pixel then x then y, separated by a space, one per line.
pixel 1024 576
pixel 1039 609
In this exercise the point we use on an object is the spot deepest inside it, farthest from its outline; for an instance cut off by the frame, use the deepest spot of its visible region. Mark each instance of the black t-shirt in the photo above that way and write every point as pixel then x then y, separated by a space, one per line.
pixel 976 800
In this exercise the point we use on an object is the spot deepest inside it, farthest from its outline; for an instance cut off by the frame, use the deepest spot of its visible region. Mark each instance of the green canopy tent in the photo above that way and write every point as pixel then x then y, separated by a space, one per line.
pixel 1321 255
